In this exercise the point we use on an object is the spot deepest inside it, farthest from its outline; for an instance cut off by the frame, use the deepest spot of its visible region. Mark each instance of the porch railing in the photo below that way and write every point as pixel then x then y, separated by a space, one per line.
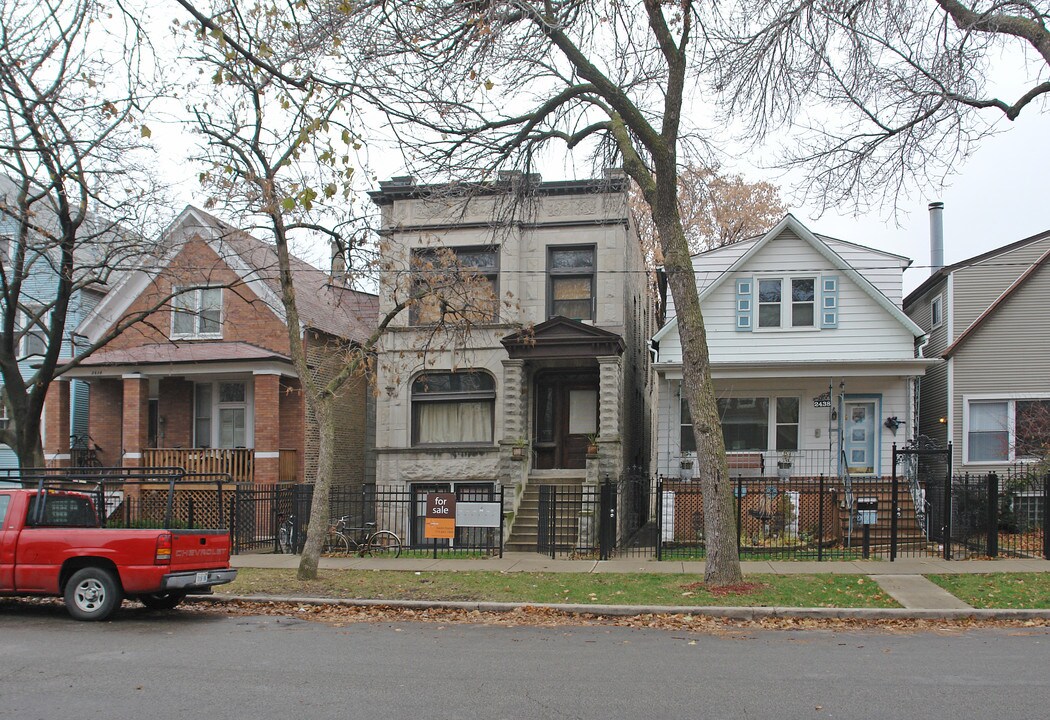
pixel 238 462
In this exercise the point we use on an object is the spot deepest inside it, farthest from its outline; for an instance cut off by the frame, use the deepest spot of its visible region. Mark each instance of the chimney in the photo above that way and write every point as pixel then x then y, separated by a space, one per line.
pixel 338 264
pixel 936 236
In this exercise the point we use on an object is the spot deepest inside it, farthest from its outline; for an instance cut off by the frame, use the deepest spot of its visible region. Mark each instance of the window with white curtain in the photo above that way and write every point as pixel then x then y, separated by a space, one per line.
pixel 453 408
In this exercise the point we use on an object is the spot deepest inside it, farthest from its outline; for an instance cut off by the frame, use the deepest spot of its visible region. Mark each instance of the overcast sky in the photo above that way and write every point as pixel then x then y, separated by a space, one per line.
pixel 997 196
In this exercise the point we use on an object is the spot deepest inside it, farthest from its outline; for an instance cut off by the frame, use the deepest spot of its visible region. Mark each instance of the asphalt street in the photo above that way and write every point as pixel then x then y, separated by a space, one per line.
pixel 187 663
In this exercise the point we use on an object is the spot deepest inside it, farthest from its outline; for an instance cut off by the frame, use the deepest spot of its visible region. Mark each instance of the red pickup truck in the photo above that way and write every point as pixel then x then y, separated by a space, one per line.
pixel 51 544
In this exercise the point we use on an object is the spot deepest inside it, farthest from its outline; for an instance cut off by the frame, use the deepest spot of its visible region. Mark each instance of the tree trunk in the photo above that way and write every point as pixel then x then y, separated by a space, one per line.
pixel 722 566
pixel 319 520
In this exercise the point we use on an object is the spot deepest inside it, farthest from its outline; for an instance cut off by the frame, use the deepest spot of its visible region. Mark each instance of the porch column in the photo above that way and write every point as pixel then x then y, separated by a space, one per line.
pixel 512 473
pixel 610 398
pixel 610 420
pixel 56 424
pixel 515 401
pixel 267 427
pixel 134 434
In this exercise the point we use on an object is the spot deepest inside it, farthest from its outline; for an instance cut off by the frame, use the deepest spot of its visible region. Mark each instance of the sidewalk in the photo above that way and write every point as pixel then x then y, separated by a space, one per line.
pixel 903 580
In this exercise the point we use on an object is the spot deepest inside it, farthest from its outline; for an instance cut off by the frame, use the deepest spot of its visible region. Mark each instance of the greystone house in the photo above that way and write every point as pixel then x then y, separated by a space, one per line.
pixel 551 384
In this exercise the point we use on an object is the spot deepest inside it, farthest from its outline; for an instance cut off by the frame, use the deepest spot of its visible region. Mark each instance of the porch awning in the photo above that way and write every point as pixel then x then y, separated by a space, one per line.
pixel 889 367
pixel 157 355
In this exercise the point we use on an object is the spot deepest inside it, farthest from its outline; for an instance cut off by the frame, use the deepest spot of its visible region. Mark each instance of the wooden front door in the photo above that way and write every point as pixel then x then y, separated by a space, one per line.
pixel 566 414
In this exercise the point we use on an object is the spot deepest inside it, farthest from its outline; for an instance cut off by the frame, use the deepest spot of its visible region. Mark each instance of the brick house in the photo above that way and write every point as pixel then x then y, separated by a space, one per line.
pixel 206 382
pixel 558 364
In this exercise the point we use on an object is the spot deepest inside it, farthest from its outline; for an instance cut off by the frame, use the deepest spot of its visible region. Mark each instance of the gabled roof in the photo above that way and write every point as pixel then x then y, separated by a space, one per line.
pixel 999 301
pixel 790 222
pixel 322 305
pixel 947 270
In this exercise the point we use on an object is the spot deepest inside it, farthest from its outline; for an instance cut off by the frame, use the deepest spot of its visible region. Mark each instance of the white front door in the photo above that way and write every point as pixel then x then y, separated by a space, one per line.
pixel 859 436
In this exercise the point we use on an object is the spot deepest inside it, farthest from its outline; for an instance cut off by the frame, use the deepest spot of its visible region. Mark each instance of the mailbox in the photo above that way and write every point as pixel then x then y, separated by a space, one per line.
pixel 867 511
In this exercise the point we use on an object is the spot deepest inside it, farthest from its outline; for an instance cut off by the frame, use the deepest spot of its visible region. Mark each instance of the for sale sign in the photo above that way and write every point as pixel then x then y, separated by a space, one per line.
pixel 440 521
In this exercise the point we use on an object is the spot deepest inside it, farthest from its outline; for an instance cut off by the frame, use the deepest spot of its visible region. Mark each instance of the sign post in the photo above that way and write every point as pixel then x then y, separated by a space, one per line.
pixel 440 520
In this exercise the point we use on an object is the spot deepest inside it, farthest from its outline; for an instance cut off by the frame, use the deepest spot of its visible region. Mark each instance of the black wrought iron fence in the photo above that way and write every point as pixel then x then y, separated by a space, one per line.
pixel 260 511
pixel 1000 515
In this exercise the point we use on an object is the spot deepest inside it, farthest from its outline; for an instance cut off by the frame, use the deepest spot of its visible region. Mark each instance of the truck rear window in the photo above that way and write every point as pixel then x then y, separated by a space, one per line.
pixel 62 511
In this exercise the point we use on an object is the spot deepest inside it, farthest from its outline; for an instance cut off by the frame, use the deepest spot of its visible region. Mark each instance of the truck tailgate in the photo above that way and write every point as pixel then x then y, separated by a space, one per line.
pixel 199 549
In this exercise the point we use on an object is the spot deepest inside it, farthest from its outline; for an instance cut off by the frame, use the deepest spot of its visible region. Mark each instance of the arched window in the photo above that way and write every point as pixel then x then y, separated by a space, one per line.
pixel 453 408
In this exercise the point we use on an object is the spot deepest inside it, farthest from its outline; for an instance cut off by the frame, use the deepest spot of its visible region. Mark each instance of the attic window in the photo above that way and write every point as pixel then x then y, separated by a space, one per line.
pixel 196 313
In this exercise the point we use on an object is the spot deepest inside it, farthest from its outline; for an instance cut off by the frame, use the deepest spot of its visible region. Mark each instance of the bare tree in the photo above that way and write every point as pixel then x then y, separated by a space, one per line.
pixel 76 199
pixel 717 209
pixel 473 87
pixel 280 145
pixel 499 83
pixel 883 94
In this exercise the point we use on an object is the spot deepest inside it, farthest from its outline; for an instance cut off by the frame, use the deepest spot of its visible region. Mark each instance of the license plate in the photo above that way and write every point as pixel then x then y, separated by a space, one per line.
pixel 202 577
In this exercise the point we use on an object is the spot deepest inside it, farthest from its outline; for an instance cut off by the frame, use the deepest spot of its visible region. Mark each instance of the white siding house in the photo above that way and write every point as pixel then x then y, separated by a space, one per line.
pixel 812 358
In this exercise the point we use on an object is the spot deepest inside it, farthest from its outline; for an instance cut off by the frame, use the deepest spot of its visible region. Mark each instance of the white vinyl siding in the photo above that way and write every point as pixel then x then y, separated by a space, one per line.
pixel 859 318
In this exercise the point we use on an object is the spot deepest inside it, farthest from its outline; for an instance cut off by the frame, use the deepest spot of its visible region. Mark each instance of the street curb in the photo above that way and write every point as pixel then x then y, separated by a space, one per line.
pixel 727 613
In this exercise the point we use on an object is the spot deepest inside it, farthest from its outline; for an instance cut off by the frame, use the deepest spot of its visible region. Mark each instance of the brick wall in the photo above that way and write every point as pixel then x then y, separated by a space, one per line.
pixel 175 405
pixel 350 416
pixel 106 419
pixel 292 419
pixel 246 318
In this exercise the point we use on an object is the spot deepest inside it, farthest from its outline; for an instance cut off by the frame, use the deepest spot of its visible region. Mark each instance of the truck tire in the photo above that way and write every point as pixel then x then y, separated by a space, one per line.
pixel 162 601
pixel 93 593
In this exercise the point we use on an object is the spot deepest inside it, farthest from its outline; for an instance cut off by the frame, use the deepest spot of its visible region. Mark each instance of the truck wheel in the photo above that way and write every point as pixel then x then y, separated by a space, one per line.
pixel 162 601
pixel 93 593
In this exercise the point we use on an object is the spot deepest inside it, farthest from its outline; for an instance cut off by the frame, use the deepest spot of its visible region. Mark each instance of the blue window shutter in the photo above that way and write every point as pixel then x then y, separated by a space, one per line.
pixel 744 292
pixel 829 301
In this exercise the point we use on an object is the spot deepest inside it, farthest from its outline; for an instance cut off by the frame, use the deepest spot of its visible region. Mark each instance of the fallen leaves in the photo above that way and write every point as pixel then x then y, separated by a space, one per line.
pixel 534 616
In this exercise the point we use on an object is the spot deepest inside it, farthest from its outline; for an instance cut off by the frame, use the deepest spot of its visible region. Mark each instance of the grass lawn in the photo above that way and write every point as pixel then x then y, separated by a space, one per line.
pixel 999 590
pixel 586 588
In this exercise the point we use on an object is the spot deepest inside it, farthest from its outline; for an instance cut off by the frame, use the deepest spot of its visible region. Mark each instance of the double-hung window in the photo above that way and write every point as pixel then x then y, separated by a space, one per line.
pixel 458 284
pixel 1007 430
pixel 786 302
pixel 34 332
pixel 571 282
pixel 196 313
pixel 453 408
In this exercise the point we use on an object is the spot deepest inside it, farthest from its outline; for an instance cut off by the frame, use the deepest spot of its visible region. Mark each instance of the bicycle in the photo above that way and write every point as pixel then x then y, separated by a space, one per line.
pixel 284 533
pixel 368 540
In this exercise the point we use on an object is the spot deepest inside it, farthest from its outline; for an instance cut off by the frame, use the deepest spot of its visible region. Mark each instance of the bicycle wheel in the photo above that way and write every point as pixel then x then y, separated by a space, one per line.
pixel 335 544
pixel 384 544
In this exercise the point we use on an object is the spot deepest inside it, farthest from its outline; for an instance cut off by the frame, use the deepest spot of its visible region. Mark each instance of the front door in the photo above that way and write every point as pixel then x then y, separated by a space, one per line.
pixel 859 436
pixel 566 414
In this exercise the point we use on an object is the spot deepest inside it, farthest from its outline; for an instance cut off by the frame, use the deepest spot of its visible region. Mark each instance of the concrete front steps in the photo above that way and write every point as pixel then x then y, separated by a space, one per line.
pixel 524 530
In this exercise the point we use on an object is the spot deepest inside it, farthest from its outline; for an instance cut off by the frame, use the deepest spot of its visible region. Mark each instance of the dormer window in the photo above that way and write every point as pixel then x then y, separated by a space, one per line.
pixel 196 314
